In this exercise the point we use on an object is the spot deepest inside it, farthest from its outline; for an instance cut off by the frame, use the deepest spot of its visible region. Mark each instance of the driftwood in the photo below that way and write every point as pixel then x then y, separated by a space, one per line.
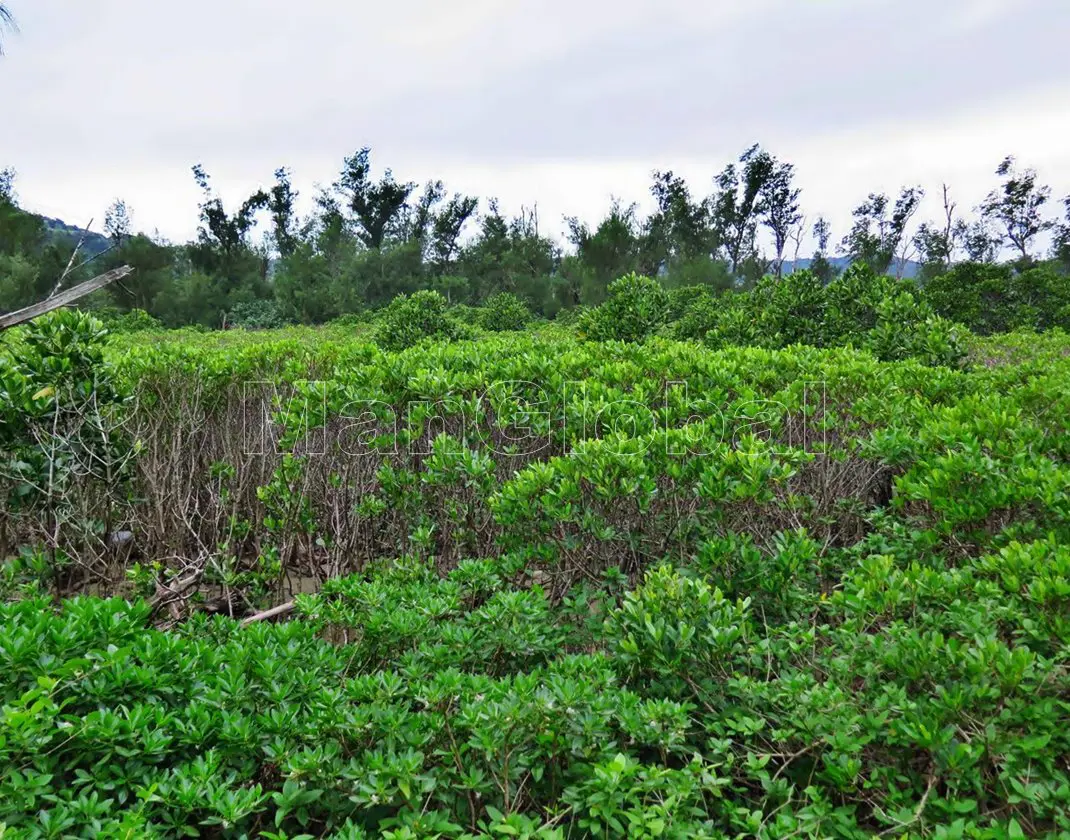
pixel 64 298
pixel 281 609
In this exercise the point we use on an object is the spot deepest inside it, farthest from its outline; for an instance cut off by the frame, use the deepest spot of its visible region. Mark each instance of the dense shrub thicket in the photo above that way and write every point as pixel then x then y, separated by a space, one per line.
pixel 996 298
pixel 890 318
pixel 589 582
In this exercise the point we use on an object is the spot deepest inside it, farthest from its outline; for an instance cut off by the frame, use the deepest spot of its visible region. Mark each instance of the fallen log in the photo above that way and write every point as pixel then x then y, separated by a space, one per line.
pixel 64 298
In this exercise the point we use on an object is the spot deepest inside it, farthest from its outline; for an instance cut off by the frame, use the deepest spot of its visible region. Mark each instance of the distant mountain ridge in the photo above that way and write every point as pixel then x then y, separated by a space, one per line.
pixel 911 269
pixel 93 245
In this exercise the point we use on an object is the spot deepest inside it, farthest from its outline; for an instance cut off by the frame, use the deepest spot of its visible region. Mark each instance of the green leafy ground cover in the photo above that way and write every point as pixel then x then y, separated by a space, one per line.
pixel 545 586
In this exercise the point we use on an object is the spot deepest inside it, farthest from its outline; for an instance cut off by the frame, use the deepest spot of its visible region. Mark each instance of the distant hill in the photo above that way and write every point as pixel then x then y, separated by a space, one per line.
pixel 910 270
pixel 59 230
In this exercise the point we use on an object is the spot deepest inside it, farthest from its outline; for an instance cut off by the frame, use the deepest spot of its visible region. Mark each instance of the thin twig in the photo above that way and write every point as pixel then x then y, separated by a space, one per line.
pixel 917 811
pixel 70 262
pixel 95 257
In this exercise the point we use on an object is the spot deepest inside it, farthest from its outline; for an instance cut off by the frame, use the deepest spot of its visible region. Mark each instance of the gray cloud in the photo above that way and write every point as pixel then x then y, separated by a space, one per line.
pixel 120 87
pixel 786 74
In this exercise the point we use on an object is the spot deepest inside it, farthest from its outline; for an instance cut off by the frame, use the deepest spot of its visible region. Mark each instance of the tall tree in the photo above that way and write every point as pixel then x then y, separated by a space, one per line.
pixel 1016 206
pixel 421 215
pixel 779 209
pixel 227 270
pixel 117 221
pixel 876 237
pixel 20 232
pixel 980 242
pixel 820 265
pixel 284 222
pixel 937 242
pixel 796 235
pixel 487 259
pixel 736 205
pixel 1061 245
pixel 509 255
pixel 446 229
pixel 679 229
pixel 605 254
pixel 153 264
pixel 898 242
pixel 330 230
pixel 23 243
pixel 220 231
pixel 534 258
pixel 377 207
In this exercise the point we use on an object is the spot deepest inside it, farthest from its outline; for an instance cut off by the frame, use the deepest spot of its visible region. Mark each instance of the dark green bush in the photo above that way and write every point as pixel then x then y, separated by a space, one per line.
pixel 636 307
pixel 695 310
pixel 875 312
pixel 907 329
pixel 410 319
pixel 996 298
pixel 855 298
pixel 683 298
pixel 570 316
pixel 791 310
pixel 133 320
pixel 504 311
pixel 973 294
pixel 257 315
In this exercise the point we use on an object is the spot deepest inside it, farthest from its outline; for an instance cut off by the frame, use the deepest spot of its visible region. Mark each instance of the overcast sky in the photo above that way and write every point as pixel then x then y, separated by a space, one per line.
pixel 563 103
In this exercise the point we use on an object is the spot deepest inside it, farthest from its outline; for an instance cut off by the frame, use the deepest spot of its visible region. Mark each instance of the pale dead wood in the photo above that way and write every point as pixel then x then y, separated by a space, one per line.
pixel 64 298
pixel 70 262
pixel 281 609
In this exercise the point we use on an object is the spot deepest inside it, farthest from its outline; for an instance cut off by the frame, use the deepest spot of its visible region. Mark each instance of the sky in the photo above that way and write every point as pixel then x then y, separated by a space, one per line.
pixel 558 104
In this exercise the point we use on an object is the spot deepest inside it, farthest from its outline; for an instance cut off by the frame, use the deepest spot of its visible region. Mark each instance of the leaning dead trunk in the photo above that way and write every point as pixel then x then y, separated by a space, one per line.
pixel 64 298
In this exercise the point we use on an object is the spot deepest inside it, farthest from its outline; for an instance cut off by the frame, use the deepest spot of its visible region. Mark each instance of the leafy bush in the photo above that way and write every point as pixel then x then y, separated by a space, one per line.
pixel 19 282
pixel 133 320
pixel 701 272
pixel 879 313
pixel 855 298
pixel 906 329
pixel 700 315
pixel 637 306
pixel 996 298
pixel 792 310
pixel 683 298
pixel 504 311
pixel 674 627
pixel 410 319
pixel 570 316
pixel 463 313
pixel 61 407
pixel 257 315
pixel 973 294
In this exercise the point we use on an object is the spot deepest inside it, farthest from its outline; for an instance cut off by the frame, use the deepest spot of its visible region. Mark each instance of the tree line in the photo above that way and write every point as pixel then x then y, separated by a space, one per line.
pixel 371 237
